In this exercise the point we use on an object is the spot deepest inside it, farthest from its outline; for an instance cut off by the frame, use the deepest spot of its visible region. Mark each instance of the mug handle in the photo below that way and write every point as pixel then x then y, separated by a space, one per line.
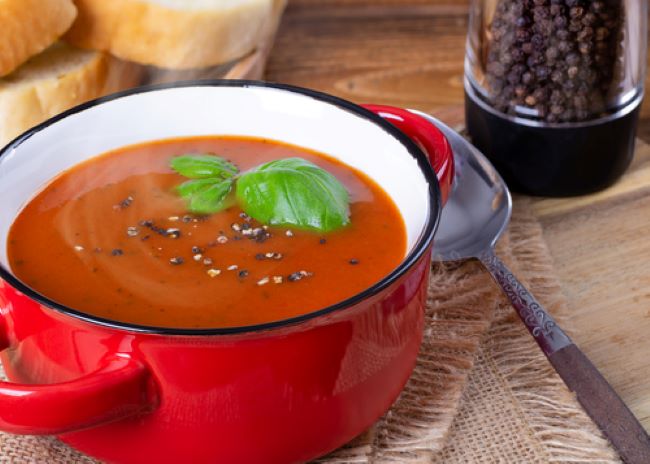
pixel 427 137
pixel 120 388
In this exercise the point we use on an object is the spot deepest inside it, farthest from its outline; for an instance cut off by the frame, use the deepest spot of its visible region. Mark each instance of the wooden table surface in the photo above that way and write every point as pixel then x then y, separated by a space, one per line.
pixel 410 53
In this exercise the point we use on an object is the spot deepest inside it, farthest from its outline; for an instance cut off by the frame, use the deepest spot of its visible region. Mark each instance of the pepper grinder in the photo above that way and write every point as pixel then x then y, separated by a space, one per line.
pixel 553 90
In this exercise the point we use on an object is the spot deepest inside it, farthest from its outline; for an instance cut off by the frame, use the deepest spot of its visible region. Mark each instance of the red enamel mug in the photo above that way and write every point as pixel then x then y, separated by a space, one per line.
pixel 285 391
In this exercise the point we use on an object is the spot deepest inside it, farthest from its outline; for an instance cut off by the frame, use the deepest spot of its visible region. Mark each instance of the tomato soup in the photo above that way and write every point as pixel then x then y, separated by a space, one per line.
pixel 111 238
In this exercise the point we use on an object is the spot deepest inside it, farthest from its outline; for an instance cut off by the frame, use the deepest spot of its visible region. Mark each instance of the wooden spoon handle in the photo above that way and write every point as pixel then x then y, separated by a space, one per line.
pixel 596 396
pixel 603 405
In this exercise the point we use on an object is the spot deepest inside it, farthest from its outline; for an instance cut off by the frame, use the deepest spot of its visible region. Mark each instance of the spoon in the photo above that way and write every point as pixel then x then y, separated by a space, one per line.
pixel 476 215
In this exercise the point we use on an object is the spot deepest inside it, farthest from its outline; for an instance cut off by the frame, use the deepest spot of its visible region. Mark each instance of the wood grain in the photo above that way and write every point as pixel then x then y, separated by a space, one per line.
pixel 400 52
pixel 601 250
pixel 604 406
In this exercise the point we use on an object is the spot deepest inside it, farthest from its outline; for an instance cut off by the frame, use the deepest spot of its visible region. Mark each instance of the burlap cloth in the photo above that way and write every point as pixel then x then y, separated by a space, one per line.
pixel 481 391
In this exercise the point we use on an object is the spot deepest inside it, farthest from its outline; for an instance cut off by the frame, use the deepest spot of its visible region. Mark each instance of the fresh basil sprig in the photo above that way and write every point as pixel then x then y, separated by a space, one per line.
pixel 290 191
pixel 212 180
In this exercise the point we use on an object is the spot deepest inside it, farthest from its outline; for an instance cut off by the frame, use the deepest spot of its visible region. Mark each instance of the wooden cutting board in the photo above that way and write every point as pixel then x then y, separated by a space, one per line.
pixel 410 53
pixel 601 247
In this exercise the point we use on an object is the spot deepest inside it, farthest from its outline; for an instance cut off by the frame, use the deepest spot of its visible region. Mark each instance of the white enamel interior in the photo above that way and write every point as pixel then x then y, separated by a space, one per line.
pixel 192 111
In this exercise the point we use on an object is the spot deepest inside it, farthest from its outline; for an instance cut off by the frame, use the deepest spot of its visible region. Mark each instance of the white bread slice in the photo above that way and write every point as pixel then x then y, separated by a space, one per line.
pixel 175 34
pixel 57 79
pixel 28 27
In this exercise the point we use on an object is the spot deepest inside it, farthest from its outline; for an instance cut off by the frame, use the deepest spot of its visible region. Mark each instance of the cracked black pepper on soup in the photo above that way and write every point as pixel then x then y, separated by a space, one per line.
pixel 111 237
pixel 555 60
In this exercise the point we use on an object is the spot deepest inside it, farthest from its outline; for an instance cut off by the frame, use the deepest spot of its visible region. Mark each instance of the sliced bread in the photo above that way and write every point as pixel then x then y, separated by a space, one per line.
pixel 57 79
pixel 176 34
pixel 28 27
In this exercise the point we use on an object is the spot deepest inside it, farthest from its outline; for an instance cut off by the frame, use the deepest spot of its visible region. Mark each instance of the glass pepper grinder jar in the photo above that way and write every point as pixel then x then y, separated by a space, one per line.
pixel 553 90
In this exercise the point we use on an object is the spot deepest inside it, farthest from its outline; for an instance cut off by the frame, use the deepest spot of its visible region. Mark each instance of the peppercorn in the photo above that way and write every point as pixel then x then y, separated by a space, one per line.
pixel 544 54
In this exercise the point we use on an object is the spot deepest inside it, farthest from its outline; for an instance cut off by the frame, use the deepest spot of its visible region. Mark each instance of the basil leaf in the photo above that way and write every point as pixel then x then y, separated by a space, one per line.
pixel 294 192
pixel 203 166
pixel 206 196
pixel 191 187
pixel 290 191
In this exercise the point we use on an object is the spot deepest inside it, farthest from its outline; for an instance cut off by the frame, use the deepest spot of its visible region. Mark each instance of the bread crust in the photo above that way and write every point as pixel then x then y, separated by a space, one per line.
pixel 147 32
pixel 27 27
pixel 56 80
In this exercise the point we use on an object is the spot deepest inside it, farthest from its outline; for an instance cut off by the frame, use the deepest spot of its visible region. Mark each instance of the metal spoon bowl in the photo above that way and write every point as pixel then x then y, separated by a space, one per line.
pixel 476 215
pixel 478 211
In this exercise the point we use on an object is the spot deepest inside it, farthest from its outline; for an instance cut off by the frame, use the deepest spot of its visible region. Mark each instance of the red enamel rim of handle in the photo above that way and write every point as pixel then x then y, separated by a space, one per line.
pixel 426 136
pixel 120 388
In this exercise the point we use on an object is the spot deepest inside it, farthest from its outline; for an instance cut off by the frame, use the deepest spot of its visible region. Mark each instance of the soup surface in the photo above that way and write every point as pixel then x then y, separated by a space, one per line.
pixel 111 238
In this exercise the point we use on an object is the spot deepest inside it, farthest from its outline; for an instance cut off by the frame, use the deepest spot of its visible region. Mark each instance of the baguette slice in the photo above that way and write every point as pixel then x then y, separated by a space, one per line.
pixel 175 34
pixel 28 27
pixel 56 80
